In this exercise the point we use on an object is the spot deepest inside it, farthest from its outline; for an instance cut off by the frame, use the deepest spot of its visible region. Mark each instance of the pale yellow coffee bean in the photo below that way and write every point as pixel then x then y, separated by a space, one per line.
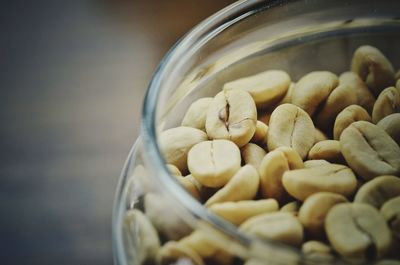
pixel 170 226
pixel 320 136
pixel 315 163
pixel 369 150
pixel 271 170
pixel 139 183
pixel 365 98
pixel 173 170
pixel 200 242
pixel 312 246
pixel 379 190
pixel 238 212
pixel 340 98
pixel 391 125
pixel 301 183
pixel 173 251
pixel 388 262
pixel 391 212
pixel 253 261
pixel 317 250
pixel 252 154
pixel 266 88
pixel 207 247
pixel 291 126
pixel 260 135
pixel 327 150
pixel 291 207
pixel 353 229
pixel 196 114
pixel 313 89
pixel 288 96
pixel 191 187
pixel 175 144
pixel 398 83
pixel 373 67
pixel 213 163
pixel 388 102
pixel 242 186
pixel 232 115
pixel 140 234
pixel 283 227
pixel 346 117
pixel 314 210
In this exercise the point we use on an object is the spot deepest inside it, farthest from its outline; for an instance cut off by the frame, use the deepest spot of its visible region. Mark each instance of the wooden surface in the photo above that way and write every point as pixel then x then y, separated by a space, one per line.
pixel 73 75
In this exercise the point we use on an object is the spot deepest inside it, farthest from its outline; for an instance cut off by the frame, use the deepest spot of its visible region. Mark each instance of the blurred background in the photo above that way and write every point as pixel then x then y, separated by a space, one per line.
pixel 73 75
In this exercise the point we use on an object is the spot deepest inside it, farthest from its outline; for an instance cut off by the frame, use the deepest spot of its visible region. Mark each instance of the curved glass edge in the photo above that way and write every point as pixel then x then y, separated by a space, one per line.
pixel 118 210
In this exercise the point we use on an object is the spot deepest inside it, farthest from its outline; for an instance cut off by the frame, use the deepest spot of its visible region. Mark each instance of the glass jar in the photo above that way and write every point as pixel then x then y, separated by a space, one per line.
pixel 245 38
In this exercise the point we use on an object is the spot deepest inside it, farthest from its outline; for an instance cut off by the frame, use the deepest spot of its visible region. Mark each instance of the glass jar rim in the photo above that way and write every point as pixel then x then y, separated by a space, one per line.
pixel 195 39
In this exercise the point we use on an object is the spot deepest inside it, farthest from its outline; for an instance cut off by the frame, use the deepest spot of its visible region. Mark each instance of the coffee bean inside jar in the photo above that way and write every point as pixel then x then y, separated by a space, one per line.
pixel 313 163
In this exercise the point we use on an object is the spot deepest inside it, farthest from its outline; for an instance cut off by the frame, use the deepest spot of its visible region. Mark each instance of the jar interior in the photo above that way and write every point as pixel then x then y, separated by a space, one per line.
pixel 297 37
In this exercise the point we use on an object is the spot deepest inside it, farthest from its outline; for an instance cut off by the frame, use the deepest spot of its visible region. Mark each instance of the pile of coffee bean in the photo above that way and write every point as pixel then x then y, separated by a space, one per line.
pixel 314 164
